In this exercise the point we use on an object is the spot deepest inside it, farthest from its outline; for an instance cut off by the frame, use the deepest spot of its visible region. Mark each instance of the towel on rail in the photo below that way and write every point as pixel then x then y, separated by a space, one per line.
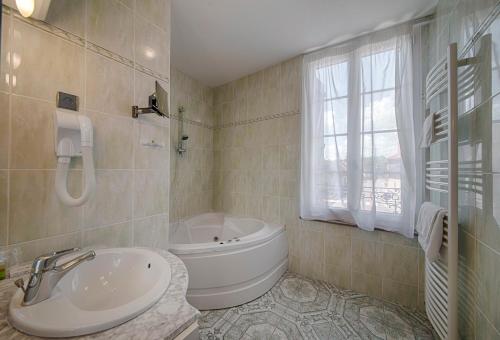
pixel 427 131
pixel 430 229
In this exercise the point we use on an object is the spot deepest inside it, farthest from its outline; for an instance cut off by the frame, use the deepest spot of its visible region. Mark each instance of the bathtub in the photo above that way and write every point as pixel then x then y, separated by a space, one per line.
pixel 230 260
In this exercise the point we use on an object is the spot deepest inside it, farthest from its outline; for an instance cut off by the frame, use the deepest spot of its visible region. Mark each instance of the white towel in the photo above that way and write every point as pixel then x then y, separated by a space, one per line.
pixel 430 229
pixel 427 131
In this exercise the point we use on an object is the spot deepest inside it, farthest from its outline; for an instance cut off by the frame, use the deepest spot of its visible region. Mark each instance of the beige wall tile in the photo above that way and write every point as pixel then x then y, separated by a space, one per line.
pixel 400 263
pixel 255 106
pixel 68 16
pixel 400 293
pixel 255 84
pixel 421 270
pixel 338 276
pixel 271 78
pixel 313 225
pixel 290 85
pixel 28 251
pixel 151 193
pixel 157 11
pixel 241 88
pixel 270 209
pixel 72 240
pixel 43 71
pixel 4 129
pixel 129 3
pixel 112 200
pixel 4 195
pixel 294 239
pixel 270 158
pixel 334 230
pixel 484 328
pixel 271 183
pixel 152 232
pixel 5 71
pixel 271 101
pixel 289 157
pixel 337 257
pixel 289 212
pixel 366 283
pixel 32 134
pixel 110 25
pixel 236 204
pixel 358 233
pixel 289 130
pixel 467 250
pixel 337 249
pixel 253 206
pixel 489 284
pixel 118 235
pixel 269 132
pixel 152 157
pixel 113 141
pixel 311 253
pixel 487 226
pixel 152 47
pixel 421 301
pixel 108 86
pixel 35 210
pixel 289 183
pixel 397 239
pixel 367 256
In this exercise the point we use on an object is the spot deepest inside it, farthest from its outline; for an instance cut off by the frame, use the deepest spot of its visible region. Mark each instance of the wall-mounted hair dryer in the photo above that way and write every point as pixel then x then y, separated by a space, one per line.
pixel 73 138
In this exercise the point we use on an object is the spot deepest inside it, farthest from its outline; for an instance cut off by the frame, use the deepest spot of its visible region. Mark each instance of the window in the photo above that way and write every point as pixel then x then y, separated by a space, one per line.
pixel 335 83
pixel 382 157
pixel 356 119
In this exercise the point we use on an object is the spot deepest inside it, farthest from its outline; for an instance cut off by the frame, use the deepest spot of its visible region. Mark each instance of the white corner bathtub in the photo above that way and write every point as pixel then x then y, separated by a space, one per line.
pixel 230 260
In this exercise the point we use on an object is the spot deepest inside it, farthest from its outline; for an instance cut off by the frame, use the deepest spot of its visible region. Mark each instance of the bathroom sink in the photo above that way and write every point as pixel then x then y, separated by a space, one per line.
pixel 118 285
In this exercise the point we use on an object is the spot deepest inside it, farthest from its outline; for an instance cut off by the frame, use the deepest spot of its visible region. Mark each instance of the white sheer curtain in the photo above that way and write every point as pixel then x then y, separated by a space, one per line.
pixel 358 145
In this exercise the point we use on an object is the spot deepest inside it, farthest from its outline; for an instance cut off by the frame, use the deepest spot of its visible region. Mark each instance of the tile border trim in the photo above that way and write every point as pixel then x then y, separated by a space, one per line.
pixel 258 119
pixel 175 116
pixel 46 27
pixel 237 123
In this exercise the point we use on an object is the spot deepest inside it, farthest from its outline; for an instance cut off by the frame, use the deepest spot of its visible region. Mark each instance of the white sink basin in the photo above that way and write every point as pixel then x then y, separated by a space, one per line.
pixel 116 286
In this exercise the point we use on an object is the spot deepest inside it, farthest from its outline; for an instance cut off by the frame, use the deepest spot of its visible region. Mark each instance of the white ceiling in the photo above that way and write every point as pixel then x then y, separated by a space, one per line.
pixel 217 41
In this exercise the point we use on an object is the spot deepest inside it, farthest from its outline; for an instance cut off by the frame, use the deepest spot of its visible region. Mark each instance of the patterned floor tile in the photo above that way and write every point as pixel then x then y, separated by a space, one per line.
pixel 301 308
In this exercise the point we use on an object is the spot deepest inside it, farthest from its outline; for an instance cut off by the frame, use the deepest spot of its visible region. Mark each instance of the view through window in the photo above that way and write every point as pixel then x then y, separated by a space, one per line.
pixel 377 145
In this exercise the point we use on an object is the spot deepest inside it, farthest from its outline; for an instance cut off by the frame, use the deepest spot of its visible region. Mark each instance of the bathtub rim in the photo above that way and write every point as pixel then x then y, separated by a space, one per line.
pixel 268 232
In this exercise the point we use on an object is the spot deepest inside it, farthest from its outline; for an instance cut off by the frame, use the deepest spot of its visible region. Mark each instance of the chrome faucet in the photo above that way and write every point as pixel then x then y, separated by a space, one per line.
pixel 45 274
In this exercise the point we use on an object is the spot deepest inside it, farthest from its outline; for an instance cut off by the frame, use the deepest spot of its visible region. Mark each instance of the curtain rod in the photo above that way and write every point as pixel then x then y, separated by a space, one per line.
pixel 423 20
pixel 414 22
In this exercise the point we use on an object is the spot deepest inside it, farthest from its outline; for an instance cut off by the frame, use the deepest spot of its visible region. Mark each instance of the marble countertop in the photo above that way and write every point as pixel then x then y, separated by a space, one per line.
pixel 171 315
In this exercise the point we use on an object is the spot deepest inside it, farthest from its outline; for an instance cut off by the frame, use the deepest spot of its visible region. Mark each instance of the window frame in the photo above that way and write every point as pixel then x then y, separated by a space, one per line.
pixel 398 206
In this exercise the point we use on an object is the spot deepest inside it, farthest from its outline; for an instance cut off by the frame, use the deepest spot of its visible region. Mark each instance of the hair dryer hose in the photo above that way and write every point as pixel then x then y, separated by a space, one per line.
pixel 62 178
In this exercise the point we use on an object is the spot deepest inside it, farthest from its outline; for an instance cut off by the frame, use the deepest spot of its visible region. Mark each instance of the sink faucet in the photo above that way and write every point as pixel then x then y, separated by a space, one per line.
pixel 45 274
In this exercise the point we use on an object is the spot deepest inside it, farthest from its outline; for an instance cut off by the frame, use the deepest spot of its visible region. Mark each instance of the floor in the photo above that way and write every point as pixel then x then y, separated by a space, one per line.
pixel 301 308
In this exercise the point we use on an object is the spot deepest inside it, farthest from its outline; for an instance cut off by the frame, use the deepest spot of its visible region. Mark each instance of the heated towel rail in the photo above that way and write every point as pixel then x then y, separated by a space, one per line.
pixel 441 276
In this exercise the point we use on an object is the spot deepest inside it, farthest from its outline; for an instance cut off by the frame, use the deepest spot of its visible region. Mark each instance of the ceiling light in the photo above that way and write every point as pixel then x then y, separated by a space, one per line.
pixel 25 7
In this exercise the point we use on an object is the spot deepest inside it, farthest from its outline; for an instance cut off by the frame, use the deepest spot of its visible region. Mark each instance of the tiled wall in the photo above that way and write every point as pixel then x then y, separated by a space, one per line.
pixel 109 53
pixel 467 22
pixel 257 164
pixel 191 176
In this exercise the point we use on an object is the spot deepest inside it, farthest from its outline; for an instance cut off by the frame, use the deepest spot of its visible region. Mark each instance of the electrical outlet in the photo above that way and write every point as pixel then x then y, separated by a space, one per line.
pixel 67 101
